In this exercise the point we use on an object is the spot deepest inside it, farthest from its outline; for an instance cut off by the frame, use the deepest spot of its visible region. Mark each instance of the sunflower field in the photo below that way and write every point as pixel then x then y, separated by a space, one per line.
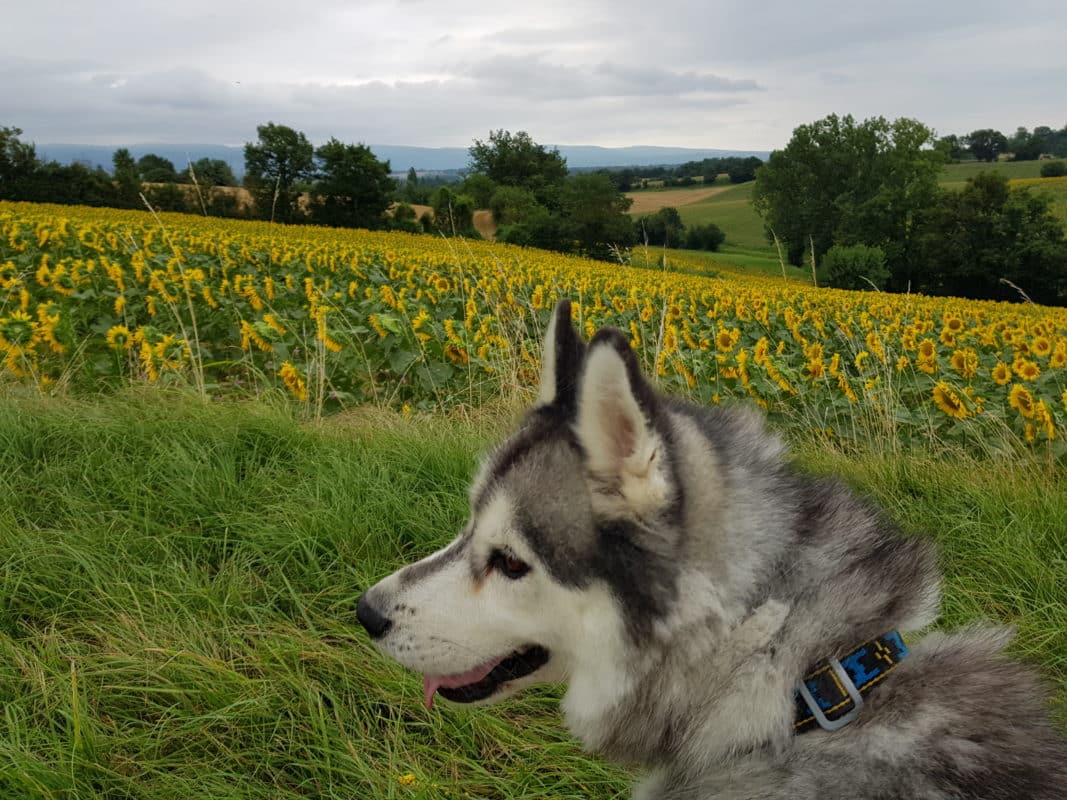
pixel 92 299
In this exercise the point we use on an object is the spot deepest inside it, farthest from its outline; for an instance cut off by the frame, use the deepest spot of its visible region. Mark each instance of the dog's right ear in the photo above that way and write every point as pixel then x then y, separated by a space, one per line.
pixel 561 361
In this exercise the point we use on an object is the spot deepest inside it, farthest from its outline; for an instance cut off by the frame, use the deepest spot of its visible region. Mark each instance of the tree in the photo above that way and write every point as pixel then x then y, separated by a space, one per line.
pixel 281 158
pixel 842 182
pixel 210 172
pixel 167 197
pixel 858 267
pixel 156 169
pixel 1025 146
pixel 453 214
pixel 404 219
pixel 952 147
pixel 664 228
pixel 704 237
pixel 18 162
pixel 480 187
pixel 593 216
pixel 745 170
pixel 986 144
pixel 354 189
pixel 973 238
pixel 517 160
pixel 127 179
pixel 511 205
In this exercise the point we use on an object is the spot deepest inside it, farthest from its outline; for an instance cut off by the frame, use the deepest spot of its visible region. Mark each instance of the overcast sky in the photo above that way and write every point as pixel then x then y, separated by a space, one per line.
pixel 695 73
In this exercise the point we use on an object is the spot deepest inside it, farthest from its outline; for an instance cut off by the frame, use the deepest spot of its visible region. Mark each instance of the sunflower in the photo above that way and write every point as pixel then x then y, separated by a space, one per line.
pixel 1026 369
pixel 965 362
pixel 294 382
pixel 119 337
pixel 1001 374
pixel 1021 400
pixel 1041 346
pixel 17 330
pixel 950 402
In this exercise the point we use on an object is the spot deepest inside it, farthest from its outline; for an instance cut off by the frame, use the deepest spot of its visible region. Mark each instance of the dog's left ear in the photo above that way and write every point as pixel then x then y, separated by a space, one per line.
pixel 615 408
pixel 561 361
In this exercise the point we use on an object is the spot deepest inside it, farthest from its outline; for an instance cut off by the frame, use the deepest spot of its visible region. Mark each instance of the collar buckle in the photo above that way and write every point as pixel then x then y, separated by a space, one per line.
pixel 813 706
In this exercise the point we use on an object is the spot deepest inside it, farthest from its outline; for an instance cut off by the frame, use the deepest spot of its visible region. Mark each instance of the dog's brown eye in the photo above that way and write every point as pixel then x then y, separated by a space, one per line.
pixel 508 565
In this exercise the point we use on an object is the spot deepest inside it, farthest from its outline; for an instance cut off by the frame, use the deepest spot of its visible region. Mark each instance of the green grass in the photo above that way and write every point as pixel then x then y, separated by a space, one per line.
pixel 956 175
pixel 177 583
pixel 732 209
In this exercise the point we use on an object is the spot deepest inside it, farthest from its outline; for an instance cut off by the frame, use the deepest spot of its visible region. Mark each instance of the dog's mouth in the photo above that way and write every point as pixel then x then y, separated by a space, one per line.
pixel 485 679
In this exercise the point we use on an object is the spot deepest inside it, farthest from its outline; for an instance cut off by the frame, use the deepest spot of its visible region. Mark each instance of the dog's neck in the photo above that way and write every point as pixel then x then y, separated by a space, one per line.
pixel 718 680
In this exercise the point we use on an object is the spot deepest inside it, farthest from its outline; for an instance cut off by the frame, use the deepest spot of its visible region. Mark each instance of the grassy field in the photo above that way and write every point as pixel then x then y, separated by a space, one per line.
pixel 746 244
pixel 957 174
pixel 178 581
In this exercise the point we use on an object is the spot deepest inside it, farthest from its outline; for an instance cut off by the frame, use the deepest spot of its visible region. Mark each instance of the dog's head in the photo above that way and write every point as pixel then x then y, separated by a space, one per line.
pixel 566 559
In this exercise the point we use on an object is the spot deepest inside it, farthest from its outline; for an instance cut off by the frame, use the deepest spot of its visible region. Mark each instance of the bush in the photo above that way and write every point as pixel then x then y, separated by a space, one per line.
pixel 512 204
pixel 168 197
pixel 664 228
pixel 1054 169
pixel 704 237
pixel 855 267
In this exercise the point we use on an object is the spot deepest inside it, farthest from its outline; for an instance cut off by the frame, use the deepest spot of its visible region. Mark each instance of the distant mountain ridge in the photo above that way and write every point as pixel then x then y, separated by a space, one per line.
pixel 400 157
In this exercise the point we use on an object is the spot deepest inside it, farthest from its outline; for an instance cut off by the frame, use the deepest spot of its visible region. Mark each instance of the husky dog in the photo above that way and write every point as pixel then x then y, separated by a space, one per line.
pixel 719 620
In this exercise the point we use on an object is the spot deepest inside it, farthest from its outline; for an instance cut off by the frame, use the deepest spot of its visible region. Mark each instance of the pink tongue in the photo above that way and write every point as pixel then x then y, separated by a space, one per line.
pixel 431 683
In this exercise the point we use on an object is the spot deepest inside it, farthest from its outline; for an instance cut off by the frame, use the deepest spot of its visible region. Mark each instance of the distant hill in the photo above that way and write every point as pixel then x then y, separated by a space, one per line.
pixel 400 157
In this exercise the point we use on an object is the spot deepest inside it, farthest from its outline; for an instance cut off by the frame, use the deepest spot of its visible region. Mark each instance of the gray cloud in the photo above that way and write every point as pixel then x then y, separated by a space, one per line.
pixel 710 73
pixel 535 76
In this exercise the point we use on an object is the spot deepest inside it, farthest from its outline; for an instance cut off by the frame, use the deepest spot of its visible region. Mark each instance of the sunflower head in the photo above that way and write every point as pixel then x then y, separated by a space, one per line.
pixel 119 337
pixel 17 330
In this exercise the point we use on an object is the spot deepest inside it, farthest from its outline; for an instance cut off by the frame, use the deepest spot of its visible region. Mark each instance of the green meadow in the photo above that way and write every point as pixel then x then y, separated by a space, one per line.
pixel 746 244
pixel 178 580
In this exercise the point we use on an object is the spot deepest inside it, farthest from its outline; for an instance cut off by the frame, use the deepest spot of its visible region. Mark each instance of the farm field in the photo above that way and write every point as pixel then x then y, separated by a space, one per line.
pixel 647 202
pixel 97 299
pixel 215 434
pixel 731 208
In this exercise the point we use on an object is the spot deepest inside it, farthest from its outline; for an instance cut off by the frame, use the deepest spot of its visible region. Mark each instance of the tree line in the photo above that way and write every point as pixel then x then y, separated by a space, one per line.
pixel 533 197
pixel 989 144
pixel 860 202
pixel 739 169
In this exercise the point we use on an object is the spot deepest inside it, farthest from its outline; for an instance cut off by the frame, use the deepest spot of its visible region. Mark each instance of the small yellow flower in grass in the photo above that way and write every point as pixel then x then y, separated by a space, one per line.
pixel 861 359
pixel 950 402
pixel 1021 400
pixel 407 411
pixel 903 363
pixel 406 780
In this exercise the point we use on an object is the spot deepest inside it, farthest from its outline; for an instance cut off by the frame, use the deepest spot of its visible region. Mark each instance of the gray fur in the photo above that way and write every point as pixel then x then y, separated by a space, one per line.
pixel 745 575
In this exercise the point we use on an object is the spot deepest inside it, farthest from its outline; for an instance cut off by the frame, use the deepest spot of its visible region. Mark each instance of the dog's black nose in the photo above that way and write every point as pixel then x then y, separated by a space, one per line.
pixel 370 618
